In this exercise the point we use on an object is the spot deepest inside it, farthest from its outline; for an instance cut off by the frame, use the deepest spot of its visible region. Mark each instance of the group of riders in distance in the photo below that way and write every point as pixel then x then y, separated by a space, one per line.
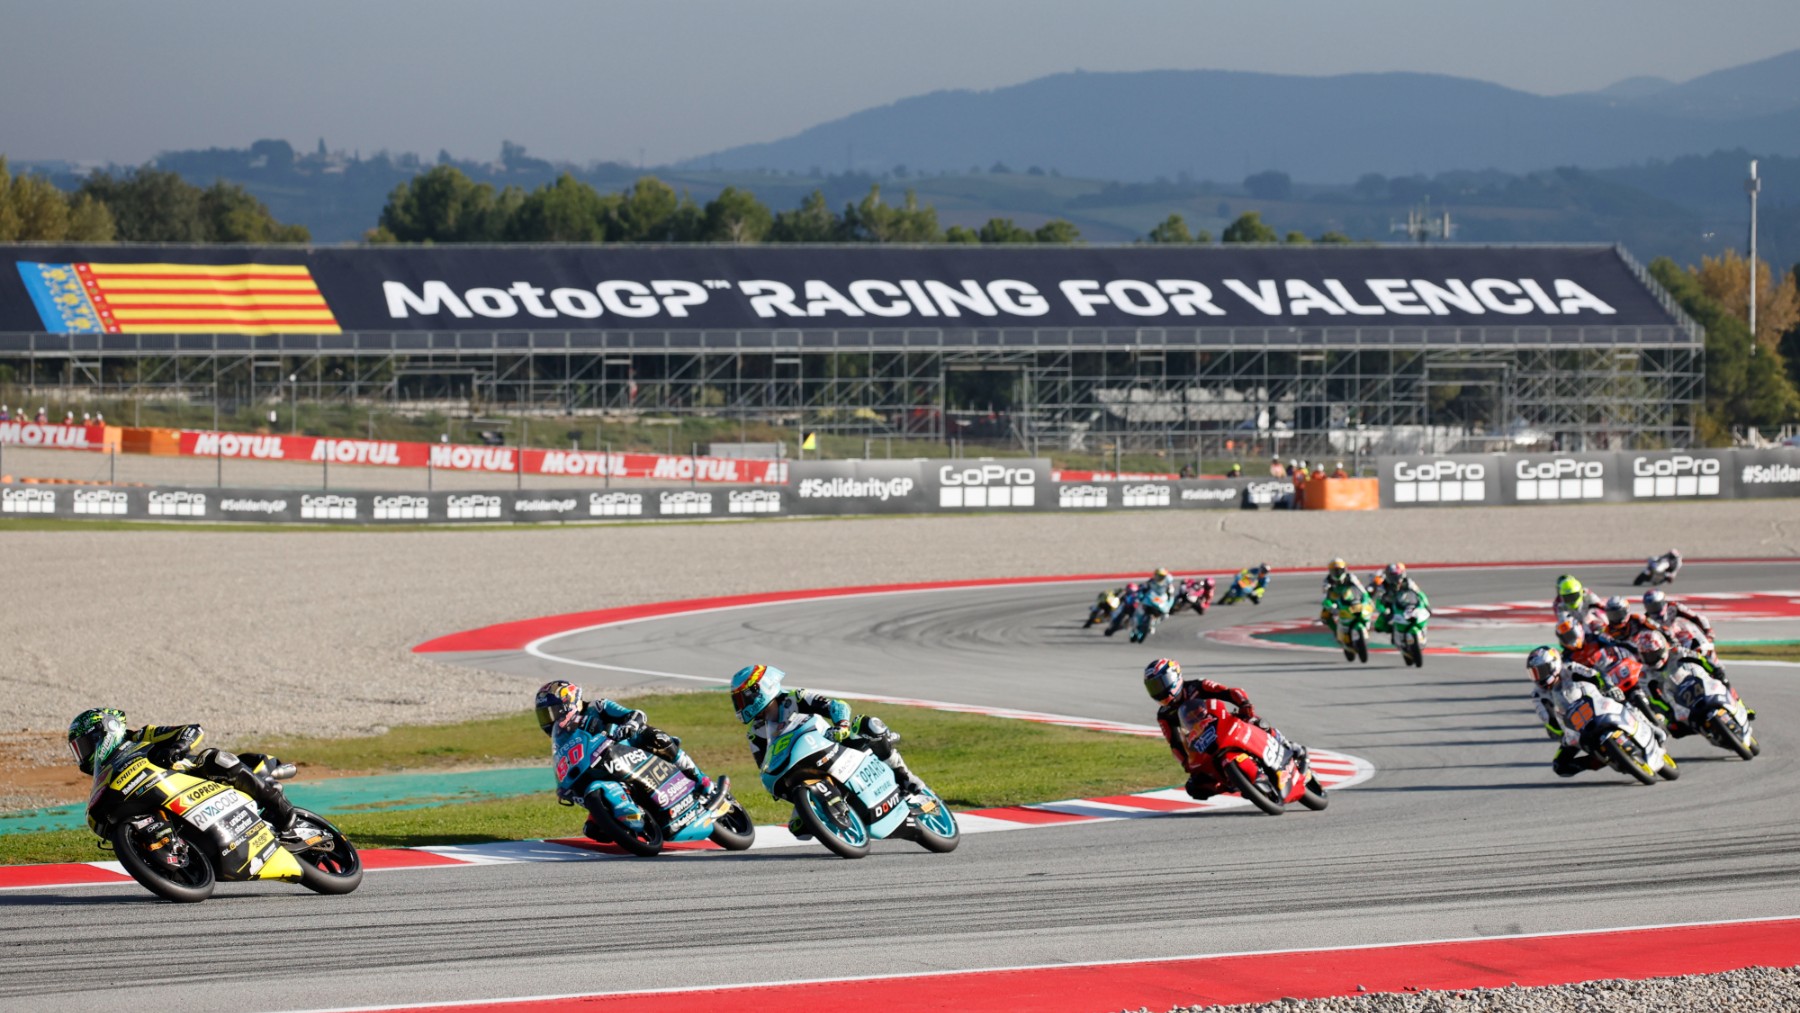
pixel 1618 685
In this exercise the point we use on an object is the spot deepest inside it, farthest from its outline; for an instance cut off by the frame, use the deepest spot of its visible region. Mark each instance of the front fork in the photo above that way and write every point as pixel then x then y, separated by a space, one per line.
pixel 614 796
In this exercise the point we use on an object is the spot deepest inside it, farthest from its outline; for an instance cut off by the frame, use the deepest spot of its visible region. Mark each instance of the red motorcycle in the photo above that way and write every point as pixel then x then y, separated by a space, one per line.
pixel 1239 756
pixel 1193 594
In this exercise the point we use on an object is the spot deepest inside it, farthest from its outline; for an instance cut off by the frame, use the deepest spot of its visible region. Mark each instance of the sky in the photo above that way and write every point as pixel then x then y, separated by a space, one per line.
pixel 588 80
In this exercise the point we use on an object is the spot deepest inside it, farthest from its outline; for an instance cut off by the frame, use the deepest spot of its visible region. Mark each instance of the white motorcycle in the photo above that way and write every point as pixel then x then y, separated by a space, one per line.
pixel 1618 734
pixel 1407 629
pixel 1709 707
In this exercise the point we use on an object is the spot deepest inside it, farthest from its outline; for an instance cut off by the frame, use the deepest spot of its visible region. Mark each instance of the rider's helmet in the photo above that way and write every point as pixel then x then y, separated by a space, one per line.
pixel 1653 647
pixel 1616 610
pixel 753 688
pixel 1655 602
pixel 1160 574
pixel 1162 680
pixel 1395 573
pixel 556 700
pixel 1545 665
pixel 1569 590
pixel 1262 568
pixel 1675 554
pixel 1337 571
pixel 1131 589
pixel 1571 634
pixel 1207 583
pixel 95 735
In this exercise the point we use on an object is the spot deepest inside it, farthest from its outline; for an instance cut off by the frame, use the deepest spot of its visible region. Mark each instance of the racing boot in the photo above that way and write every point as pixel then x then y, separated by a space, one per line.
pixel 908 783
pixel 797 828
pixel 276 807
pixel 690 768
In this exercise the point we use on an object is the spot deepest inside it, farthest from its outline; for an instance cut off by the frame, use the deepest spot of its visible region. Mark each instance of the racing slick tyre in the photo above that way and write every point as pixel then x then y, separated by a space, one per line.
pixel 1669 771
pixel 1314 798
pixel 1362 650
pixel 937 830
pixel 1245 787
pixel 1623 758
pixel 734 831
pixel 331 865
pixel 847 837
pixel 644 843
pixel 188 881
pixel 1727 737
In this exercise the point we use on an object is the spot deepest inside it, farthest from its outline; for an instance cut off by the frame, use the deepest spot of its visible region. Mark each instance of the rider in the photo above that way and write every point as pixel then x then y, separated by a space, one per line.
pixel 1337 575
pixel 1161 582
pixel 1624 625
pixel 1672 558
pixel 1667 611
pixel 1127 604
pixel 1663 657
pixel 1260 573
pixel 1573 600
pixel 1199 593
pixel 762 703
pixel 1540 692
pixel 559 707
pixel 1163 681
pixel 1589 649
pixel 1391 588
pixel 99 734
pixel 1345 600
pixel 1557 696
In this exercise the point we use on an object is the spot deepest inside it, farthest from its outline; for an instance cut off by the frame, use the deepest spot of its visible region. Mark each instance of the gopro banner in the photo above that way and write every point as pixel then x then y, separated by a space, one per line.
pixel 1614 477
pixel 268 290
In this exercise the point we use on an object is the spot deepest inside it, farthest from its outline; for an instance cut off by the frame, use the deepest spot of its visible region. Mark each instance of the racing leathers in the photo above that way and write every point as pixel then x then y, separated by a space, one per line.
pixel 866 733
pixel 1128 603
pixel 1169 717
pixel 1662 682
pixel 1334 581
pixel 623 724
pixel 1392 600
pixel 1599 653
pixel 1571 705
pixel 1543 697
pixel 1633 625
pixel 1578 611
pixel 175 747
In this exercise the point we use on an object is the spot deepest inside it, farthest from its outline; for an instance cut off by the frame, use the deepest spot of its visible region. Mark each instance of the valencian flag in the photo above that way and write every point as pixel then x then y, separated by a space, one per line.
pixel 177 299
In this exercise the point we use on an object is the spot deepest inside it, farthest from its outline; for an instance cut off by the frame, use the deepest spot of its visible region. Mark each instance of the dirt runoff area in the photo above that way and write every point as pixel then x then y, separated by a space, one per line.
pixel 310 631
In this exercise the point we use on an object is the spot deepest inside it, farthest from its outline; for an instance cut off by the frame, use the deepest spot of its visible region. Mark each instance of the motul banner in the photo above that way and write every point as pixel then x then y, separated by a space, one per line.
pixel 250 290
pixel 32 434
pixel 461 457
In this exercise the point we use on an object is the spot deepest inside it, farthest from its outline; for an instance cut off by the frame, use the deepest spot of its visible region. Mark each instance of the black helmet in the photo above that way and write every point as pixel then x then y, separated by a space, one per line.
pixel 556 700
pixel 95 735
pixel 1616 610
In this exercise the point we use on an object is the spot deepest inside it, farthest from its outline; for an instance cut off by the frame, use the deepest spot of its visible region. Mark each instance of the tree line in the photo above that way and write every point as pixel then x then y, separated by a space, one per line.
pixel 142 205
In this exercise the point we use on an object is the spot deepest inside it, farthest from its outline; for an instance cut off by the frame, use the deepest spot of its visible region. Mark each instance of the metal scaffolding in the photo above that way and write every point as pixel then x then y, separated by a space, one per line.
pixel 1188 392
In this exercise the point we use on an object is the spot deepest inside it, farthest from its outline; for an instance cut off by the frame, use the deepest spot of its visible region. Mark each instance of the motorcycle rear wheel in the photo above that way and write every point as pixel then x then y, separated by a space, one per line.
pixel 334 870
pixel 733 830
pixel 1256 796
pixel 846 840
pixel 1728 738
pixel 192 884
pixel 645 844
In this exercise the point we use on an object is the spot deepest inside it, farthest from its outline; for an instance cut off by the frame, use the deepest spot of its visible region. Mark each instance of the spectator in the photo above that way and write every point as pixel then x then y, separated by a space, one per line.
pixel 43 415
pixel 5 414
pixel 87 418
pixel 1186 471
pixel 1339 472
pixel 1237 470
pixel 99 419
pixel 1276 470
pixel 68 418
pixel 1319 470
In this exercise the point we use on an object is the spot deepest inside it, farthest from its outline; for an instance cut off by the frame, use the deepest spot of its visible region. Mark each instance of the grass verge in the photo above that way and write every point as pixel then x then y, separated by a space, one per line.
pixel 1789 651
pixel 972 761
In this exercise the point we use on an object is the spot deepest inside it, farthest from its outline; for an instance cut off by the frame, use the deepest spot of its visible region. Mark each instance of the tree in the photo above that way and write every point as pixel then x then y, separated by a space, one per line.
pixel 441 205
pixel 1334 237
pixel 1174 230
pixel 566 211
pixel 1056 230
pixel 149 206
pixel 736 216
pixel 277 155
pixel 1002 231
pixel 1370 186
pixel 1297 238
pixel 1741 389
pixel 230 214
pixel 1249 228
pixel 961 235
pixel 1726 280
pixel 1270 185
pixel 812 222
pixel 646 214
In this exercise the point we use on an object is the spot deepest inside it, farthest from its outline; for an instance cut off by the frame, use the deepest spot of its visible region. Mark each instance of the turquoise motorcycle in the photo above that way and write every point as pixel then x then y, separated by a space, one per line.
pixel 638 799
pixel 846 795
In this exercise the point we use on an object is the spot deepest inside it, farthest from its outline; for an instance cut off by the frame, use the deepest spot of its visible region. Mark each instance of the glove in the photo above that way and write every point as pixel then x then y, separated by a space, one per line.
pixel 1617 694
pixel 840 732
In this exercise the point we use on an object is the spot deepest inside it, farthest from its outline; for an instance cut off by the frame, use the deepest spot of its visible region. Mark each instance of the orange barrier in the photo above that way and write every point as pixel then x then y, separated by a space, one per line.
pixel 1343 494
pixel 160 442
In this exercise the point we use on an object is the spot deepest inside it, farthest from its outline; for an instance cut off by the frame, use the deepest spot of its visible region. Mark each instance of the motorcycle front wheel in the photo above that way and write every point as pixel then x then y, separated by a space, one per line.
pixel 733 830
pixel 1251 790
pixel 333 866
pixel 645 842
pixel 937 830
pixel 188 881
pixel 1725 736
pixel 1362 648
pixel 1623 757
pixel 846 837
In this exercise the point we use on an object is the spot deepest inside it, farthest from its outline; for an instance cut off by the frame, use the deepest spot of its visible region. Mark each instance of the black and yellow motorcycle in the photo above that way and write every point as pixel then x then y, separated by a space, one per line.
pixel 178 834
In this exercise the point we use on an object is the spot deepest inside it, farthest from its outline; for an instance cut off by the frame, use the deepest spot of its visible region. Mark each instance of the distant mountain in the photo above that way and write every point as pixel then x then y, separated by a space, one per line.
pixel 1225 125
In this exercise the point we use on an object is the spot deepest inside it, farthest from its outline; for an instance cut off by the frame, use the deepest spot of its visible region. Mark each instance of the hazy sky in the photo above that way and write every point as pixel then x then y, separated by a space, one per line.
pixel 587 80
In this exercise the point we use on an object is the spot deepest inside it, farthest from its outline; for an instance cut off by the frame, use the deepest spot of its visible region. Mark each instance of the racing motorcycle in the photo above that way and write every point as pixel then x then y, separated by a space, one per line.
pixel 1152 608
pixel 650 801
pixel 1195 595
pixel 1626 674
pixel 1243 588
pixel 846 795
pixel 1240 756
pixel 1708 706
pixel 1407 628
pixel 178 835
pixel 1353 621
pixel 1622 737
pixel 1656 571
pixel 1691 639
pixel 1105 606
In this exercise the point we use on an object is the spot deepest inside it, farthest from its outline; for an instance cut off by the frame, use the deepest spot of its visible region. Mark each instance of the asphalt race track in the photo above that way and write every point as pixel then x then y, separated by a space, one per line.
pixel 1462 832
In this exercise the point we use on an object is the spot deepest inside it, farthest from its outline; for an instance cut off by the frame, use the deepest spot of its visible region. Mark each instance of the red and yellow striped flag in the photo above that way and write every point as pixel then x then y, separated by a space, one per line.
pixel 206 299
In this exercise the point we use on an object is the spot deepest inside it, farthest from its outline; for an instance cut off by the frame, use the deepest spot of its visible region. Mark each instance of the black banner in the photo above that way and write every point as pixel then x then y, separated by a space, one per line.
pixel 1612 477
pixel 89 289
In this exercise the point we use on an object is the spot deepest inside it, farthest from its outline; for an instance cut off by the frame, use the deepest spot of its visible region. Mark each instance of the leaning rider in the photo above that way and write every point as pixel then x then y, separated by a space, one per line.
pixel 559 708
pixel 1127 606
pixel 1592 649
pixel 1667 611
pixel 1259 573
pixel 761 702
pixel 1567 704
pixel 101 743
pixel 1541 691
pixel 1624 625
pixel 1390 596
pixel 1163 681
pixel 1573 600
